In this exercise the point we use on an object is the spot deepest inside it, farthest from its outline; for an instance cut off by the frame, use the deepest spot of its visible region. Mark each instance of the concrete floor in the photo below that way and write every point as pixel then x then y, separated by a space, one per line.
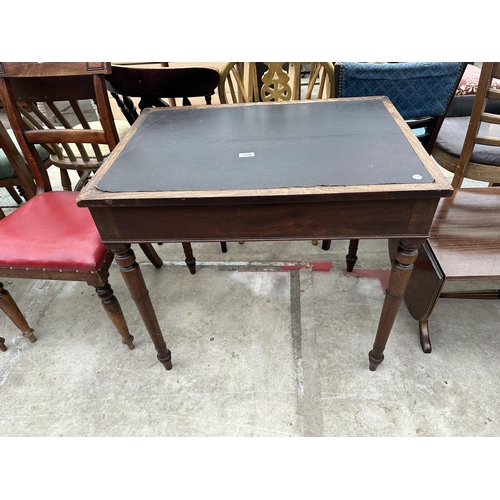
pixel 266 340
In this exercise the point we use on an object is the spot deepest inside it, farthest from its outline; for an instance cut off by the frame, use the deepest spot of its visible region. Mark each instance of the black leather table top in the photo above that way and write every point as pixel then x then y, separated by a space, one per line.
pixel 323 143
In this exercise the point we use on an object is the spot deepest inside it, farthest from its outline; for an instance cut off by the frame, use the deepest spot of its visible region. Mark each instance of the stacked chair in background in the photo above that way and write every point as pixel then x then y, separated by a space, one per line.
pixel 49 237
pixel 420 91
pixel 152 85
pixel 463 249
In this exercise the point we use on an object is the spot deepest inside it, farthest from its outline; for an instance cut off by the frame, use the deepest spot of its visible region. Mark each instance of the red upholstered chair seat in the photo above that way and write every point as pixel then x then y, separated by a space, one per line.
pixel 51 232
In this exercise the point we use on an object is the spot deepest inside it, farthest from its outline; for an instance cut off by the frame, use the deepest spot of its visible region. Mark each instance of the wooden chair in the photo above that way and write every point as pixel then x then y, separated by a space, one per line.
pixel 464 242
pixel 151 85
pixel 484 161
pixel 420 91
pixel 48 110
pixel 275 81
pixel 14 173
pixel 154 84
pixel 49 237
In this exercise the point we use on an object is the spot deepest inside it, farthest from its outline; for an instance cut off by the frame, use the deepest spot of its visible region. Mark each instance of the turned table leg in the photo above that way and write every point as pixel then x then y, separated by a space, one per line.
pixel 402 267
pixel 115 313
pixel 132 275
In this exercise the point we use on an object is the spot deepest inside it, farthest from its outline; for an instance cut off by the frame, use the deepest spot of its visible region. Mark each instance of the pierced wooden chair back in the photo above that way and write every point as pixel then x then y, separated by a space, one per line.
pixel 483 131
pixel 27 88
pixel 154 84
pixel 243 82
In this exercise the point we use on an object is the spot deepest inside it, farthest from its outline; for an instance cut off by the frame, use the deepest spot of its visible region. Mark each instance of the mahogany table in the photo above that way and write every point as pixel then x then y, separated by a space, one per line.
pixel 302 170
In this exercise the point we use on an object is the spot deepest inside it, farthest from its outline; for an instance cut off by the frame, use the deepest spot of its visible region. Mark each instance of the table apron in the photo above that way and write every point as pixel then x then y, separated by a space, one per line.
pixel 276 221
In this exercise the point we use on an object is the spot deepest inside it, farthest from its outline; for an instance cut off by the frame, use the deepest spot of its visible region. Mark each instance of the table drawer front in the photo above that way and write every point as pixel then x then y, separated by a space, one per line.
pixel 331 220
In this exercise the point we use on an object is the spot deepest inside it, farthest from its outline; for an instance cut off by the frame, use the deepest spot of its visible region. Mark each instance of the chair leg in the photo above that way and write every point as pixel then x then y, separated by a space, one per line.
pixel 351 257
pixel 65 180
pixel 84 179
pixel 2 344
pixel 190 260
pixel 326 244
pixel 14 195
pixel 223 246
pixel 156 260
pixel 115 313
pixel 151 254
pixel 9 307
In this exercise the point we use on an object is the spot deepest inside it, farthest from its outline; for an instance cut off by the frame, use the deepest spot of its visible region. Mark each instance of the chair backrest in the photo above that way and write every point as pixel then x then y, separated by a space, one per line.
pixel 13 168
pixel 489 134
pixel 420 91
pixel 24 87
pixel 275 81
pixel 152 84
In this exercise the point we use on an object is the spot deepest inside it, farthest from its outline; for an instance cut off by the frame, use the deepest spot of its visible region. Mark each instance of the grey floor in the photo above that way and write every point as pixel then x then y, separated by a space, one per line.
pixel 270 339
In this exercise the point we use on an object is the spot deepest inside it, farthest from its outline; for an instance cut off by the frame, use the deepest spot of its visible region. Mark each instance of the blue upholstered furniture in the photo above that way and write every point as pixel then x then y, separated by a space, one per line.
pixel 420 91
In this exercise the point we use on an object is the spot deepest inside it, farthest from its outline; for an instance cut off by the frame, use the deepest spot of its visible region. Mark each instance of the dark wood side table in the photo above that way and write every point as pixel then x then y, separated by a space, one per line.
pixel 328 169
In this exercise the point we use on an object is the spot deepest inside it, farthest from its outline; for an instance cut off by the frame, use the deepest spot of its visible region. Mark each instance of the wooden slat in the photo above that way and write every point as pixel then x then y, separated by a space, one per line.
pixel 50 136
pixel 62 120
pixel 496 70
pixel 493 94
pixel 490 118
pixel 85 125
pixel 33 69
pixel 488 141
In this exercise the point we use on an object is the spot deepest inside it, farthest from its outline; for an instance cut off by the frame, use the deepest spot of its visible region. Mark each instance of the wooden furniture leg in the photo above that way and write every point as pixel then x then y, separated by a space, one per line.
pixel 151 254
pixel 190 259
pixel 402 267
pixel 351 256
pixel 423 290
pixel 115 313
pixel 132 275
pixel 9 307
pixel 65 180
